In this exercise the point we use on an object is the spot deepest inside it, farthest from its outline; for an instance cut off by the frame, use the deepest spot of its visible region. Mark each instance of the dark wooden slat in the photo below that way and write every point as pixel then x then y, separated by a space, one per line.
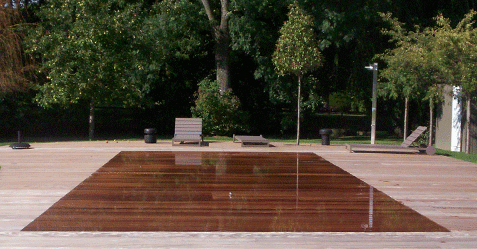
pixel 252 192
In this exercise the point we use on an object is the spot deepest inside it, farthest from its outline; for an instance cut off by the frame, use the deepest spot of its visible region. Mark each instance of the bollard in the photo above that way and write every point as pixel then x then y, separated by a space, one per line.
pixel 150 135
pixel 325 136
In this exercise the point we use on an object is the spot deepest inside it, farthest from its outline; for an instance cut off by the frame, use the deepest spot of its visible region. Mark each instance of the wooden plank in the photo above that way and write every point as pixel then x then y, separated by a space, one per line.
pixel 414 135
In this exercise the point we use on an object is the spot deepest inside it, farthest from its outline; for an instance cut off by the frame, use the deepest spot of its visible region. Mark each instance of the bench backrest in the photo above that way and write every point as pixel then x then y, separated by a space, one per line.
pixel 188 126
pixel 413 137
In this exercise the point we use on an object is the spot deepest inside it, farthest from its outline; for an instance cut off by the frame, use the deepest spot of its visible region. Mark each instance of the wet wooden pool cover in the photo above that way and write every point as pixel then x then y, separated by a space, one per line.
pixel 243 192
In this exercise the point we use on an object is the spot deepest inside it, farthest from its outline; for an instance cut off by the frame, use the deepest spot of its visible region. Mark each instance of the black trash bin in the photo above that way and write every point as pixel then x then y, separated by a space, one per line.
pixel 325 136
pixel 150 135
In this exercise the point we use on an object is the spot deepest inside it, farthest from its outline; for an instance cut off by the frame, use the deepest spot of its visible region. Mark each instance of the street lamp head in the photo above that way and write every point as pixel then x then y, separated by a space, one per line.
pixel 373 66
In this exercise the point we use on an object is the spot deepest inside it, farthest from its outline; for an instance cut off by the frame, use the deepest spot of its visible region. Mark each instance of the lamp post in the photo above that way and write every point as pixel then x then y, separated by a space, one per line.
pixel 374 67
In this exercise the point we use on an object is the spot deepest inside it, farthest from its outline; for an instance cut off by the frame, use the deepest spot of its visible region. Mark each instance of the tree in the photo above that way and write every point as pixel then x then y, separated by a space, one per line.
pixel 297 50
pixel 426 59
pixel 15 67
pixel 457 49
pixel 88 53
pixel 411 68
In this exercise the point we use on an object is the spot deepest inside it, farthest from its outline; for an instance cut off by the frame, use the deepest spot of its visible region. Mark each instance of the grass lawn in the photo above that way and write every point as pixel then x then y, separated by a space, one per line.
pixel 458 155
pixel 341 140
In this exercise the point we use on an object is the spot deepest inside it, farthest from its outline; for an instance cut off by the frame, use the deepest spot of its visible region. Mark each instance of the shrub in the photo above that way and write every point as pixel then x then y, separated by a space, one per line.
pixel 221 114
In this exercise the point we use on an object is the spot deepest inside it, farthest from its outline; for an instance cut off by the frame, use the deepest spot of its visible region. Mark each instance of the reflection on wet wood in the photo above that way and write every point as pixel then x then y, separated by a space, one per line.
pixel 209 191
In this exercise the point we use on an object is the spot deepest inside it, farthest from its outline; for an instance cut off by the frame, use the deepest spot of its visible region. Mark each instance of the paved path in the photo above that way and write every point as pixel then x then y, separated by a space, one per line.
pixel 441 188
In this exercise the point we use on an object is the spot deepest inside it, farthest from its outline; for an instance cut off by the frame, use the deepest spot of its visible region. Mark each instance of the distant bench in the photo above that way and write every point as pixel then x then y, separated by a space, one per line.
pixel 404 147
pixel 188 130
pixel 251 140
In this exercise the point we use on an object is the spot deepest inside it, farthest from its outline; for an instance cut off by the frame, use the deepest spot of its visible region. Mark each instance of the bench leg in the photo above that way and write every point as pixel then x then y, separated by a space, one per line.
pixel 430 150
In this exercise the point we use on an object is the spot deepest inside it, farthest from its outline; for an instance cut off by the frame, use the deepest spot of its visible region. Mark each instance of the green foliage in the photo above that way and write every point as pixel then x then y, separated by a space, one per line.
pixel 313 101
pixel 175 54
pixel 297 51
pixel 221 113
pixel 410 69
pixel 426 58
pixel 458 155
pixel 456 51
pixel 173 30
pixel 340 102
pixel 172 48
pixel 253 28
pixel 89 52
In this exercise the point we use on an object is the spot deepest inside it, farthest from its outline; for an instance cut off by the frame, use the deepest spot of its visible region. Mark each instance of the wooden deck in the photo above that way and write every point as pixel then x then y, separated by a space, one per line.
pixel 440 188
pixel 152 191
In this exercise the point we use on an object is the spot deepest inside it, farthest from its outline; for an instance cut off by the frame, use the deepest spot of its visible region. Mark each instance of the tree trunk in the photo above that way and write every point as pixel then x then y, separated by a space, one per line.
pixel 431 121
pixel 467 125
pixel 222 43
pixel 406 116
pixel 299 108
pixel 91 121
pixel 222 60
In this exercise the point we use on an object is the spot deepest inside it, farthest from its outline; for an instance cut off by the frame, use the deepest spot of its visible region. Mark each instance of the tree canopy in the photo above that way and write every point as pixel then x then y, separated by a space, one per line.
pixel 297 50
pixel 425 59
pixel 89 53
pixel 122 53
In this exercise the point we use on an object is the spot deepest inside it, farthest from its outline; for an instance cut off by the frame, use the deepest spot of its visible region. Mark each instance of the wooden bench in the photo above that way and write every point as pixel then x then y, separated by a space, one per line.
pixel 404 147
pixel 430 150
pixel 251 140
pixel 188 130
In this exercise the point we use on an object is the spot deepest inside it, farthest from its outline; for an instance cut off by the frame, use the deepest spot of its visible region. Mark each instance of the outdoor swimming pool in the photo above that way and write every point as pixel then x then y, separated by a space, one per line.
pixel 227 191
